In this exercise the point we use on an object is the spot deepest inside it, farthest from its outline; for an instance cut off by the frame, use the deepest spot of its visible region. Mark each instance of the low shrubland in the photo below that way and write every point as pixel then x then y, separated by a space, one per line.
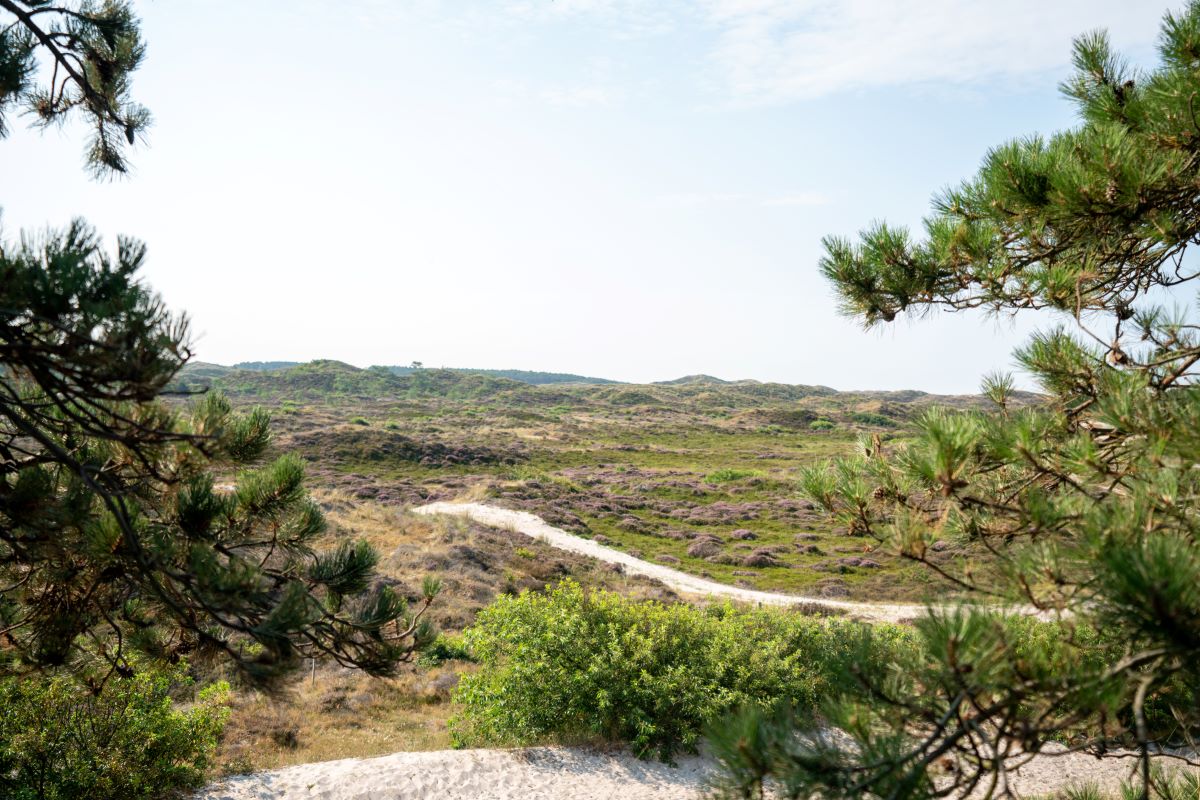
pixel 61 741
pixel 332 712
pixel 572 665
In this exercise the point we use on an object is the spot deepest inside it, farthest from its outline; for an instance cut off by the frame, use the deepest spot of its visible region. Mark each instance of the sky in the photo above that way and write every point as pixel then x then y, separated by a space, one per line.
pixel 632 190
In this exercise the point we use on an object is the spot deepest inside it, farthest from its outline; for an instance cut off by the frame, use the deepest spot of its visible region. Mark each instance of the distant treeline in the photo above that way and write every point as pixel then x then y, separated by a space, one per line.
pixel 522 375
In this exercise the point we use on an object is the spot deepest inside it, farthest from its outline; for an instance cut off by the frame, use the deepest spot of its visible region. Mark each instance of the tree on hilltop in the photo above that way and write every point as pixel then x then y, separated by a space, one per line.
pixel 114 536
pixel 1085 507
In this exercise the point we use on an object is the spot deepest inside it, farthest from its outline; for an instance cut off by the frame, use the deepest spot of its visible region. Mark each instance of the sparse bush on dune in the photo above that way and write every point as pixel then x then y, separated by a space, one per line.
pixel 571 664
pixel 872 418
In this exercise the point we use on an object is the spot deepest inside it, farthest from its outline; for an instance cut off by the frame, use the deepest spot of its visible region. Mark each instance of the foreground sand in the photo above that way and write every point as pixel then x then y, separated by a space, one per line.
pixel 550 773
pixel 527 774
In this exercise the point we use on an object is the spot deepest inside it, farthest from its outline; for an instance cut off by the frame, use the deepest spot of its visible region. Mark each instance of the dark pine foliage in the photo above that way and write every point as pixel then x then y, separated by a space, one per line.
pixel 114 535
pixel 1083 507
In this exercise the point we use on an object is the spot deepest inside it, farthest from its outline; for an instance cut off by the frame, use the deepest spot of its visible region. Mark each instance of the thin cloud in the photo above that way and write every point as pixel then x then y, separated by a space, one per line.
pixel 770 51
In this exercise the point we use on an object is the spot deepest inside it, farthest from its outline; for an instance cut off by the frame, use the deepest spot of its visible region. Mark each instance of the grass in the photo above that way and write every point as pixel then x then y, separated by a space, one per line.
pixel 648 477
pixel 647 469
pixel 340 713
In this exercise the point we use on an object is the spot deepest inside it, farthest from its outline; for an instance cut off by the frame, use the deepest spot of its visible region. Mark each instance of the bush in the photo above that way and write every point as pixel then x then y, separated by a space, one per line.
pixel 60 741
pixel 871 418
pixel 442 649
pixel 571 664
pixel 821 425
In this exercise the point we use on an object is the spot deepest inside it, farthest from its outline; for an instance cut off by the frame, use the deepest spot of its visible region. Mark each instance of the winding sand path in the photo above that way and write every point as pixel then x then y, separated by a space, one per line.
pixel 535 527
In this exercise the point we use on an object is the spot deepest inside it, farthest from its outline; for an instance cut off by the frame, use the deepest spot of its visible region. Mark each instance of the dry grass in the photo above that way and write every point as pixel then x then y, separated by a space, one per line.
pixel 339 714
pixel 342 713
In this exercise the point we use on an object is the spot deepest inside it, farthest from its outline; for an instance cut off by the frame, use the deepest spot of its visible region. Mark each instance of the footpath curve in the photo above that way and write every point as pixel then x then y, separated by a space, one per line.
pixel 535 527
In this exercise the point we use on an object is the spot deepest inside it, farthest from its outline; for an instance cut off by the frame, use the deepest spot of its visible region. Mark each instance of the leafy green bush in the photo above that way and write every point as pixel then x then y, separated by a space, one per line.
pixel 871 418
pixel 444 648
pixel 573 664
pixel 360 421
pixel 821 425
pixel 60 741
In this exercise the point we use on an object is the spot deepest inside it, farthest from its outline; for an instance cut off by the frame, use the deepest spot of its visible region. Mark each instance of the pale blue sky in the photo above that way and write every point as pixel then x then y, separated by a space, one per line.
pixel 635 190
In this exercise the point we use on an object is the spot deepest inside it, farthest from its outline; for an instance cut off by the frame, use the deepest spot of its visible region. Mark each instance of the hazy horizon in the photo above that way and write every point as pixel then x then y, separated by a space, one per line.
pixel 576 373
pixel 586 186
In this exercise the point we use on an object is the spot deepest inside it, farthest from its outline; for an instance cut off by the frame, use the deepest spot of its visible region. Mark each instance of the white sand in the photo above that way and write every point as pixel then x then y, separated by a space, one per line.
pixel 537 528
pixel 552 773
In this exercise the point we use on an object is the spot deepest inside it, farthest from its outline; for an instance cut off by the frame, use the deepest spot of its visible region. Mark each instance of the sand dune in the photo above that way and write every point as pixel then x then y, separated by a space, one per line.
pixel 551 773
pixel 539 773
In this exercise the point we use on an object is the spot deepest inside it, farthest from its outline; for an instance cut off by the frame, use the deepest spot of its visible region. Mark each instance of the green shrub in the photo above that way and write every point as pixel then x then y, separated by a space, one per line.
pixel 821 425
pixel 360 421
pixel 572 664
pixel 59 741
pixel 444 648
pixel 728 475
pixel 871 418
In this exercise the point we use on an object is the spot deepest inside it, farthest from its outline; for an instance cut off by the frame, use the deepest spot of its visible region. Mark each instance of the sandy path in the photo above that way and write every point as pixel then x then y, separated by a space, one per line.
pixel 535 527
pixel 538 773
pixel 551 773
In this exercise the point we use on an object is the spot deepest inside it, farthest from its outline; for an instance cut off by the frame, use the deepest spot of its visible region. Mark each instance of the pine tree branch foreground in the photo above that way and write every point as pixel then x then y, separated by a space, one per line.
pixel 1083 505
pixel 115 539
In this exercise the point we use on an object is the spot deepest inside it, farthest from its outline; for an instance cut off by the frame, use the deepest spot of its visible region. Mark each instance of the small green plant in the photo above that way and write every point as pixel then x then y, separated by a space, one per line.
pixel 60 741
pixel 821 425
pixel 360 421
pixel 525 552
pixel 728 475
pixel 446 647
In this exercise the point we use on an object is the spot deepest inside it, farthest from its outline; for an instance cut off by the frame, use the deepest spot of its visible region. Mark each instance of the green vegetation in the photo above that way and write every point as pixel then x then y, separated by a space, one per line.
pixel 871 418
pixel 728 475
pixel 445 648
pixel 93 50
pixel 1087 503
pixel 522 375
pixel 571 664
pixel 704 460
pixel 259 365
pixel 60 741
